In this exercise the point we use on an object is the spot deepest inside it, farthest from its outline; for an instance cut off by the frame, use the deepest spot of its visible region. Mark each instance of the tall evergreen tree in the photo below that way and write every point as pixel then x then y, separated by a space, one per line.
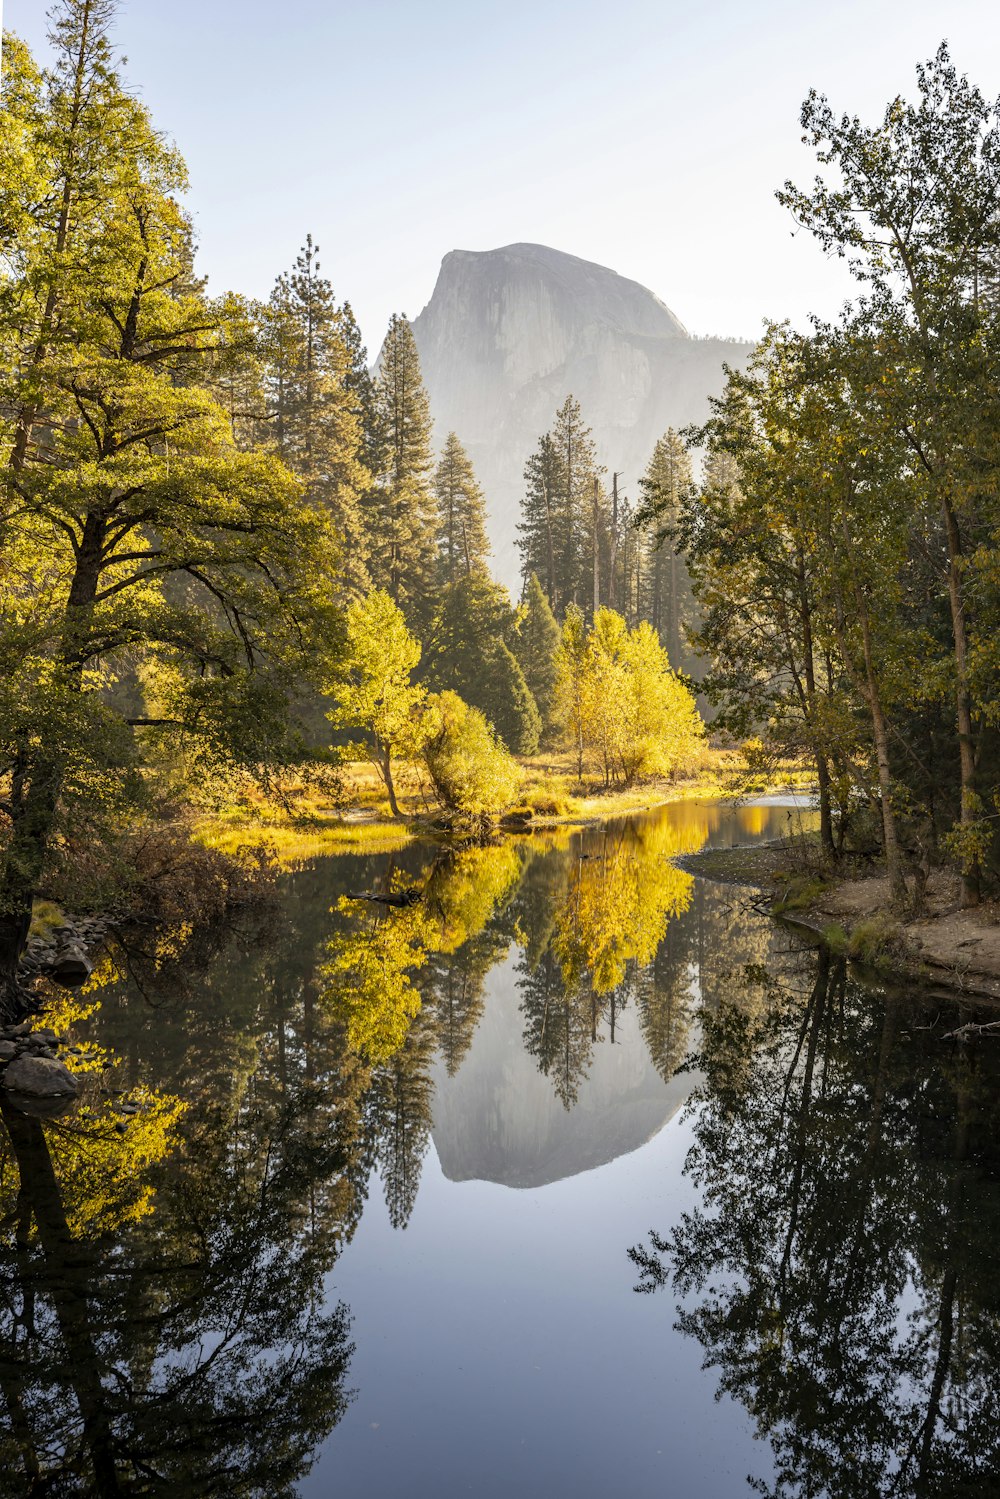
pixel 535 645
pixel 311 409
pixel 463 545
pixel 467 652
pixel 360 384
pixel 575 527
pixel 564 521
pixel 537 527
pixel 402 508
pixel 666 600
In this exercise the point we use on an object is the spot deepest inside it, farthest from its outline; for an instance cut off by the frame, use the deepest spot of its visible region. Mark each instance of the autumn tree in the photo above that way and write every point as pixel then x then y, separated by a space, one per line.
pixel 374 693
pixel 470 770
pixel 622 701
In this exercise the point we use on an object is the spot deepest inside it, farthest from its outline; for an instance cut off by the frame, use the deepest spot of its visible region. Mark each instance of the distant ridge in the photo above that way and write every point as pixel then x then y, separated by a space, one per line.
pixel 509 333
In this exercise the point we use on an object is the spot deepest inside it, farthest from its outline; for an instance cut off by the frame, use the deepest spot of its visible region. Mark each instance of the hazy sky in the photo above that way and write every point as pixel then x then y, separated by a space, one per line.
pixel 644 134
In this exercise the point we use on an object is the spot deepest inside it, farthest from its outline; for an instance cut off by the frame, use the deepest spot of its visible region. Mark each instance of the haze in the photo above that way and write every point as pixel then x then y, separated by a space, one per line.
pixel 647 136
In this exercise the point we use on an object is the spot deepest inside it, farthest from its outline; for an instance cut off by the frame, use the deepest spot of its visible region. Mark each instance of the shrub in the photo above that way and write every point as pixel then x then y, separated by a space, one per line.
pixel 875 941
pixel 469 768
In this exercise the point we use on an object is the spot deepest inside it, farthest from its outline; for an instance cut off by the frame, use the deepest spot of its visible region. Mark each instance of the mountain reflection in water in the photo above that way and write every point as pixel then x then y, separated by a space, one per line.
pixel 264 1110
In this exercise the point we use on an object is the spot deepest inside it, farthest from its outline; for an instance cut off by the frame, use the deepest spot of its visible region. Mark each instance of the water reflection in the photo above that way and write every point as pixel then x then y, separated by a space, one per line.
pixel 160 1265
pixel 840 1270
pixel 164 1325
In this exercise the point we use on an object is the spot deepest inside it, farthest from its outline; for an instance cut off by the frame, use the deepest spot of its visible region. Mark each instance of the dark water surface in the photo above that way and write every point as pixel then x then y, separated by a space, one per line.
pixel 348 1204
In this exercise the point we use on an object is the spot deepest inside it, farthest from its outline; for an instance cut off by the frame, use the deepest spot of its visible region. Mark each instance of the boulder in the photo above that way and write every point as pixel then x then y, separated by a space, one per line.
pixel 39 1078
pixel 71 967
pixel 8 1051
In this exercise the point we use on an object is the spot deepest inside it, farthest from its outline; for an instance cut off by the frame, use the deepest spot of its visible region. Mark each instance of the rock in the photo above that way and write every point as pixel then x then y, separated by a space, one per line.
pixel 39 1078
pixel 8 1051
pixel 72 967
pixel 509 333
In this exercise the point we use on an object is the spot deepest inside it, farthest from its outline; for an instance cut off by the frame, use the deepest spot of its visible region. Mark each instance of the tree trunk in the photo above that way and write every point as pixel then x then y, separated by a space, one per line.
pixel 67 1280
pixel 597 546
pixel 963 702
pixel 890 842
pixel 386 768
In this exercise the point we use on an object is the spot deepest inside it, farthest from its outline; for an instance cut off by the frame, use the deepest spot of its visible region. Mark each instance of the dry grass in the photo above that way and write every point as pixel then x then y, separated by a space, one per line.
pixel 304 822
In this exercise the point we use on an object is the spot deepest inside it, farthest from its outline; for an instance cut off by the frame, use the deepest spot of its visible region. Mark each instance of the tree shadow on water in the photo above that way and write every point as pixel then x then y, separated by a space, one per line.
pixel 839 1270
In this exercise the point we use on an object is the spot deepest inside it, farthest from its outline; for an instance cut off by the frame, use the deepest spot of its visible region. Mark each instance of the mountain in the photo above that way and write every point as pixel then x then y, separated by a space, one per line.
pixel 509 333
pixel 499 1119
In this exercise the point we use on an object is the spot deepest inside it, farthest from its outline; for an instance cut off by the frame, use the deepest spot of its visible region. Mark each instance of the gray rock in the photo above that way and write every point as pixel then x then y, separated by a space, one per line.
pixel 509 333
pixel 8 1051
pixel 72 966
pixel 39 1077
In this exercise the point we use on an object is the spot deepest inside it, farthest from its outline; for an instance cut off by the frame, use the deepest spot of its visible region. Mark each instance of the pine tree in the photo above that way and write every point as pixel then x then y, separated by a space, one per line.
pixel 401 505
pixel 467 653
pixel 535 645
pixel 666 600
pixel 359 382
pixel 578 472
pixel 564 514
pixel 463 545
pixel 311 409
pixel 537 527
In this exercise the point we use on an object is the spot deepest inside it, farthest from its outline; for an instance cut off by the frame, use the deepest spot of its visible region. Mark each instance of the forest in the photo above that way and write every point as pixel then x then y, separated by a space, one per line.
pixel 230 549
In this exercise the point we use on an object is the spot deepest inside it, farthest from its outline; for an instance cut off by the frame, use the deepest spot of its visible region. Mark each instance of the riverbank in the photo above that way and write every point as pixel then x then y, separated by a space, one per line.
pixel 306 823
pixel 944 947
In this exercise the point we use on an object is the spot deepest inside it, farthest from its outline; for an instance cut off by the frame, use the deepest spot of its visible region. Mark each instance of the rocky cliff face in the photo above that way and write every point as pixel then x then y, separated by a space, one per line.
pixel 498 1118
pixel 509 333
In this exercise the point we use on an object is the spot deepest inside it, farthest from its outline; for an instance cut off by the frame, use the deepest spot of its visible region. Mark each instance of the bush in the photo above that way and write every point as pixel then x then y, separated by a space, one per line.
pixel 469 768
pixel 875 941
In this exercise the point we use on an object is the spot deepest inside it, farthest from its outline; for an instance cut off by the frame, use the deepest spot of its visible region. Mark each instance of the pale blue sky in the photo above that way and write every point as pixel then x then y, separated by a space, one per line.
pixel 647 136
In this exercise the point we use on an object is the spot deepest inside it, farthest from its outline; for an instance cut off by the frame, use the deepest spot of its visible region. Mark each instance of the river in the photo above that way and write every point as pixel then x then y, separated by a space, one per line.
pixel 576 1175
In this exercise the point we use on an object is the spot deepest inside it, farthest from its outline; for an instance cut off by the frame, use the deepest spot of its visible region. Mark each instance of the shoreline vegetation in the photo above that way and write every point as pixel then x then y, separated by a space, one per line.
pixel 246 588
pixel 942 946
pixel 303 824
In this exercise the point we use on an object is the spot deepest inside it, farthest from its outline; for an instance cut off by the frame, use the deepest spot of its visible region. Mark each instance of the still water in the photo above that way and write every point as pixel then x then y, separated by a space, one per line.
pixel 363 1199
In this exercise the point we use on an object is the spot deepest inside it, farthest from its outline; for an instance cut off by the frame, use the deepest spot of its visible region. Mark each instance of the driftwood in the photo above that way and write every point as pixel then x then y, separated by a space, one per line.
pixel 972 1029
pixel 401 898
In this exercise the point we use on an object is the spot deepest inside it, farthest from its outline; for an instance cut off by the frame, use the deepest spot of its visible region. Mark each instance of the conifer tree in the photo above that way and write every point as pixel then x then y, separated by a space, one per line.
pixel 564 522
pixel 578 470
pixel 311 409
pixel 133 530
pixel 666 600
pixel 401 505
pixel 537 527
pixel 467 653
pixel 535 645
pixel 360 384
pixel 463 545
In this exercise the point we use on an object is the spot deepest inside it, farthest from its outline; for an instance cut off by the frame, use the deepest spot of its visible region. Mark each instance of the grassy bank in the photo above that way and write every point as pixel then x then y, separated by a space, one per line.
pixel 303 822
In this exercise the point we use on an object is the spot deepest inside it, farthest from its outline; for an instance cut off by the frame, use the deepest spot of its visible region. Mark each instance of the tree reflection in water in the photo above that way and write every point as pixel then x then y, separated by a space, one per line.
pixel 159 1279
pixel 162 1322
pixel 840 1270
pixel 589 913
